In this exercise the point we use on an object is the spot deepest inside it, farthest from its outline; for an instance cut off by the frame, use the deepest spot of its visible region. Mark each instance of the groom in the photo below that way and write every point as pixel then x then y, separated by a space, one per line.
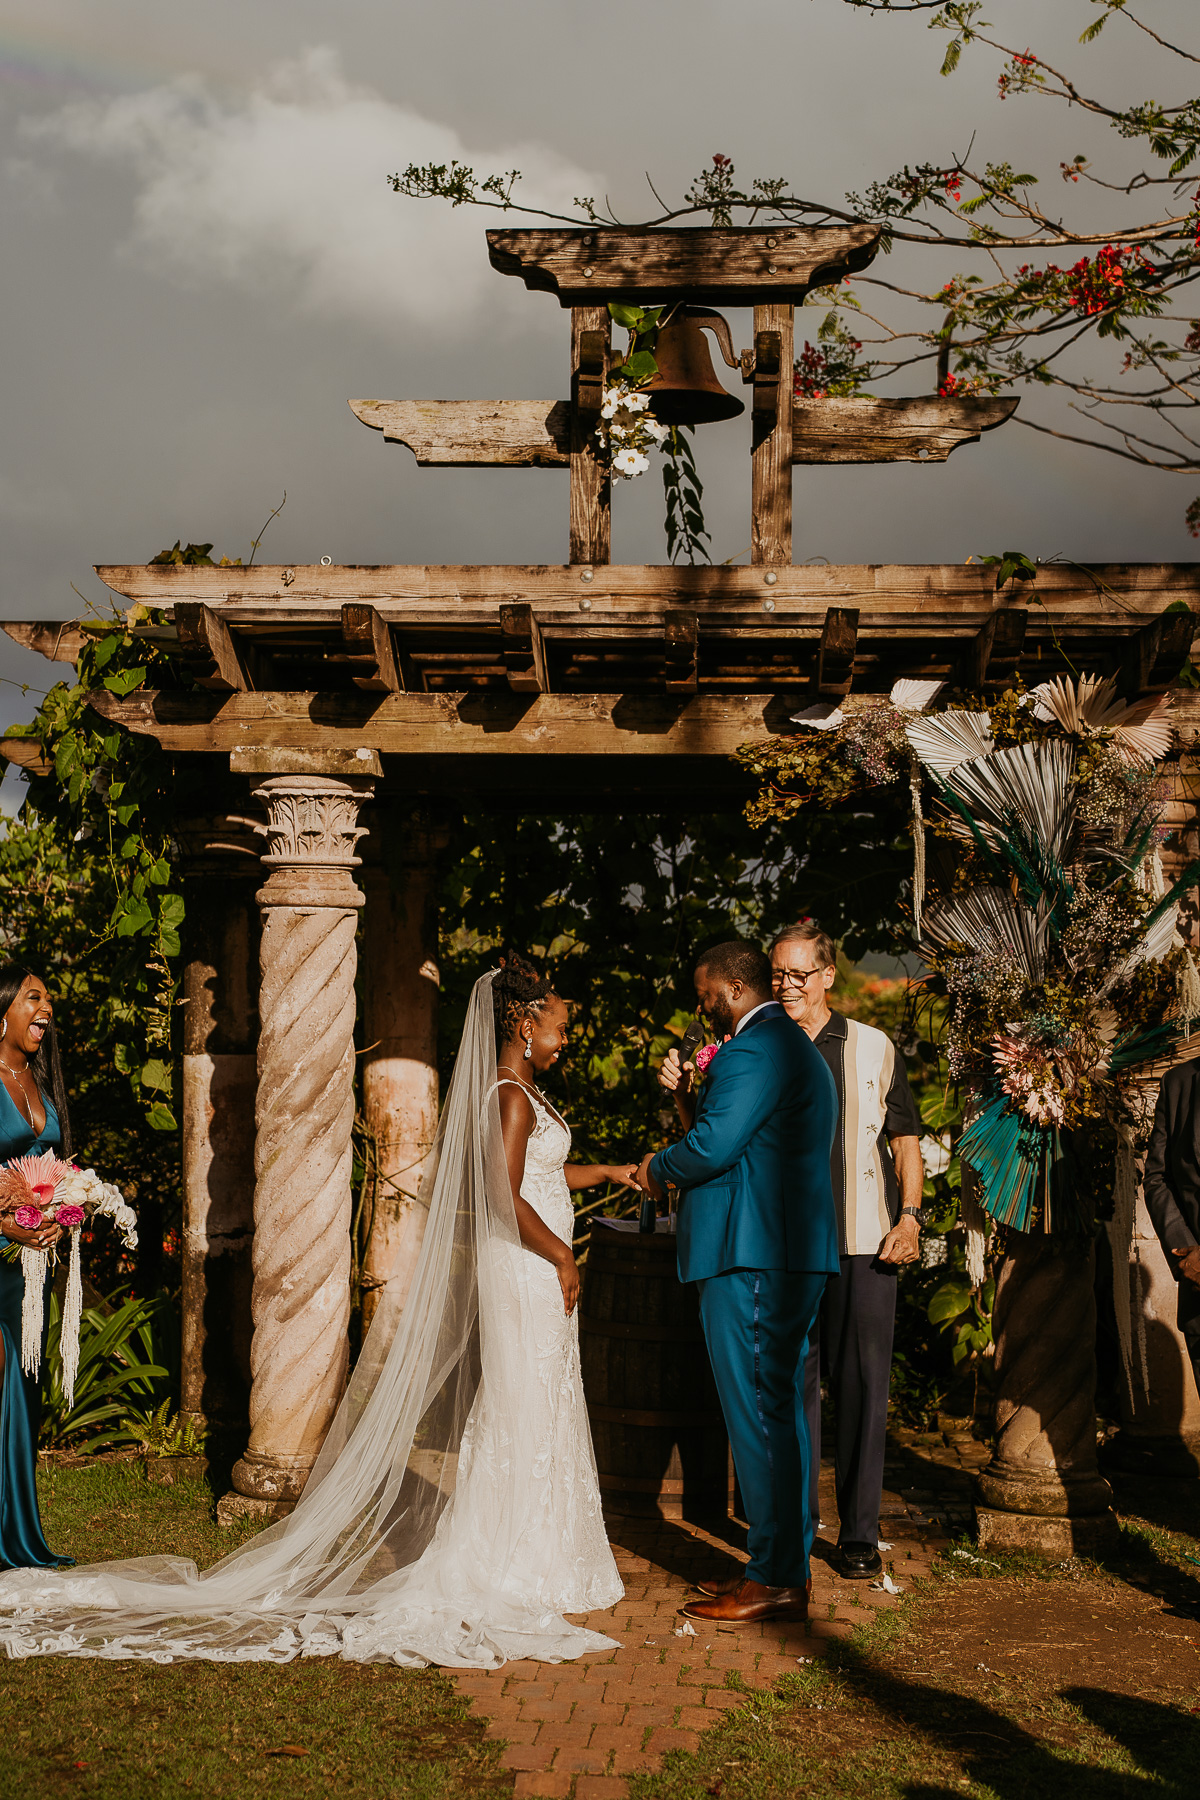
pixel 757 1234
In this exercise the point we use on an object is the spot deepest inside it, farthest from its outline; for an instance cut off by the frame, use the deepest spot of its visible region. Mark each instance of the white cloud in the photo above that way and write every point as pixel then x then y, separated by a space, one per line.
pixel 285 193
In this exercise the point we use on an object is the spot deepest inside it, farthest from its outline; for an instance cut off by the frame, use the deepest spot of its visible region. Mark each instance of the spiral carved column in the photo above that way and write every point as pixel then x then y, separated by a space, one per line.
pixel 1042 1490
pixel 304 1115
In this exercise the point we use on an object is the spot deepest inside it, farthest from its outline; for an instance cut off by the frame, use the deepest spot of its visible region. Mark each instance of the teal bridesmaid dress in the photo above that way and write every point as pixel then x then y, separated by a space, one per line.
pixel 22 1544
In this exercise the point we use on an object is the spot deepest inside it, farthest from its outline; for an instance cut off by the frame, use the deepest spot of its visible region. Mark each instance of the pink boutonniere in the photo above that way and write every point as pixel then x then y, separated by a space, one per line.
pixel 704 1056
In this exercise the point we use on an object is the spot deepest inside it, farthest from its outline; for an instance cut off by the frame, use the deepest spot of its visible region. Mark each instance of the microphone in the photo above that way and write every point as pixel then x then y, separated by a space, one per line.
pixel 693 1037
pixel 691 1041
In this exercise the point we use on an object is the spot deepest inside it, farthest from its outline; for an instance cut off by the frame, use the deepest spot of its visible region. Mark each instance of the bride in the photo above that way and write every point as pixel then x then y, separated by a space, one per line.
pixel 453 1514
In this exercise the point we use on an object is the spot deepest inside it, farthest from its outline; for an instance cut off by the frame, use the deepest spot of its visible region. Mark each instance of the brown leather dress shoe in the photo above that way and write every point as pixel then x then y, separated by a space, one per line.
pixel 713 1590
pixel 749 1602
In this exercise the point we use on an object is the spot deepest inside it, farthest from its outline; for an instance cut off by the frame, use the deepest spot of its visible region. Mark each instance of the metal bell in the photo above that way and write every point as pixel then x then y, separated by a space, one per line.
pixel 686 390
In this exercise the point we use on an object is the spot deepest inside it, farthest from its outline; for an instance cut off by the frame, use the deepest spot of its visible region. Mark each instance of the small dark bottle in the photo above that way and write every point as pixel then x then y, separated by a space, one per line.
pixel 646 1214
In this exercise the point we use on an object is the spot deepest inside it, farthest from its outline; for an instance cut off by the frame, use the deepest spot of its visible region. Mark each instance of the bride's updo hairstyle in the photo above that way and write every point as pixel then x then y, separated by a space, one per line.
pixel 520 989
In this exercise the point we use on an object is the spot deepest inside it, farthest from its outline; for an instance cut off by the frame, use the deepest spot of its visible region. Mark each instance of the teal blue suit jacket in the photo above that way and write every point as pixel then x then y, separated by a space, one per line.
pixel 755 1165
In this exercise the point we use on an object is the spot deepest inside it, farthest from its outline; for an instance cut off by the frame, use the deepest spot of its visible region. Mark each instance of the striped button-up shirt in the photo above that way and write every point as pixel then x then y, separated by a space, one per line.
pixel 875 1103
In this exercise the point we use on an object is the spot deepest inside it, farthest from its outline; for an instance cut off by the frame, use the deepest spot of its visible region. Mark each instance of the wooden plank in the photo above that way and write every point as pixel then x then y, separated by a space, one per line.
pixel 923 428
pixel 59 640
pixel 995 651
pixel 460 434
pixel 27 754
pixel 207 642
pixel 591 484
pixel 835 658
pixel 771 443
pixel 1153 657
pixel 731 266
pixel 524 651
pixel 680 635
pixel 368 642
pixel 1115 591
pixel 461 725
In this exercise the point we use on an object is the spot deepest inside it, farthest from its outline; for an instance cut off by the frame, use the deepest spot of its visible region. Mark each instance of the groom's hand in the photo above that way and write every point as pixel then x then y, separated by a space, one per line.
pixel 674 1078
pixel 645 1180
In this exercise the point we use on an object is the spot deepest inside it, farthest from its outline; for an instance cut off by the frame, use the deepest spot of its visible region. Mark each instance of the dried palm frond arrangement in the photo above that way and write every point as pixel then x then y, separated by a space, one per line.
pixel 1048 930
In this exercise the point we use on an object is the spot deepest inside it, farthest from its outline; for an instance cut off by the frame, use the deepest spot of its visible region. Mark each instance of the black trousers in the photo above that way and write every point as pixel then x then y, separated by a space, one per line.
pixel 854 1348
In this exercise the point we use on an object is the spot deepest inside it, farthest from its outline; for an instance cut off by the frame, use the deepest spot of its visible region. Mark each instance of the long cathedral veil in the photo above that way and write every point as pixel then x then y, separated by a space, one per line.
pixel 373 1563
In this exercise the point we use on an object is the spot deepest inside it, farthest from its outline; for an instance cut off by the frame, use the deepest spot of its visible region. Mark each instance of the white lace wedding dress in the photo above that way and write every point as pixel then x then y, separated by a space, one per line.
pixel 454 1514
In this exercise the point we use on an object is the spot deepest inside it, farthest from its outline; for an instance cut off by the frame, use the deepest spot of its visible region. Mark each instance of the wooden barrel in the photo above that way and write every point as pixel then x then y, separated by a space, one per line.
pixel 661 1445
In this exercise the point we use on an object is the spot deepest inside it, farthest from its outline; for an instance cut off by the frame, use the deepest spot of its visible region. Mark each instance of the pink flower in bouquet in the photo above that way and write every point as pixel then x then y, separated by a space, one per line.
pixel 69 1217
pixel 28 1217
pixel 704 1056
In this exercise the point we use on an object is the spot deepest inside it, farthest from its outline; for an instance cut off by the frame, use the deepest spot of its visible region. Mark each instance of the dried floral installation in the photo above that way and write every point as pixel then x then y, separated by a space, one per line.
pixel 1046 926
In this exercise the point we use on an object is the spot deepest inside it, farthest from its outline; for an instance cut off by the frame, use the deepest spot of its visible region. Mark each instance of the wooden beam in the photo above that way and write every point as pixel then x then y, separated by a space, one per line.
pixel 771 442
pixel 923 428
pixel 591 484
pixel 733 266
pixel 524 650
pixel 1124 596
pixel 1155 654
pixel 459 725
pixel 992 656
pixel 680 673
pixel 460 434
pixel 26 753
pixel 206 641
pixel 835 658
pixel 60 640
pixel 368 642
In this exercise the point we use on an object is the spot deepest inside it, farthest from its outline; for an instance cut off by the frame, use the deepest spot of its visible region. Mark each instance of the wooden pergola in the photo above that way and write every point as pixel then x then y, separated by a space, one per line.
pixel 545 688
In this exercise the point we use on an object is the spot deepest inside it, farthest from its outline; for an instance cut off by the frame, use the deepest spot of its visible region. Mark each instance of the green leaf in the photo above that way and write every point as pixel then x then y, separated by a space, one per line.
pixel 156 1074
pixel 949 1301
pixel 628 316
pixel 125 681
pixel 102 650
pixel 161 1118
pixel 169 941
pixel 170 909
pixel 135 917
pixel 159 872
pixel 640 367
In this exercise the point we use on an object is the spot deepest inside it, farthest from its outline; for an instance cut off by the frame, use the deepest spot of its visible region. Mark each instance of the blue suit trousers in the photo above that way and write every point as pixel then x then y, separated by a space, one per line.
pixel 757 1324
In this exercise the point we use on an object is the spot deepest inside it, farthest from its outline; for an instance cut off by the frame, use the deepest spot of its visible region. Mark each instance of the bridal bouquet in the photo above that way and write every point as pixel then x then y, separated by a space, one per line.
pixel 34 1189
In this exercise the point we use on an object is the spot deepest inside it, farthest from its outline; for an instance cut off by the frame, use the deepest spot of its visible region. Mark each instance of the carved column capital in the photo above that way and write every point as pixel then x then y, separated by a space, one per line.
pixel 312 832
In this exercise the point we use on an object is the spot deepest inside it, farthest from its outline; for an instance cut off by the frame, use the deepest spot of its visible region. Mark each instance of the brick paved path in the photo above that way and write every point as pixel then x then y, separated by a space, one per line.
pixel 575 1731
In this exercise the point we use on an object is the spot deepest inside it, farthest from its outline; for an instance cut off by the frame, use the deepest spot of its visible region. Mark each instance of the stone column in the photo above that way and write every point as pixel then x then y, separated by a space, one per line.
pixel 400 1000
pixel 304 1117
pixel 1042 1490
pixel 220 1033
pixel 1160 1422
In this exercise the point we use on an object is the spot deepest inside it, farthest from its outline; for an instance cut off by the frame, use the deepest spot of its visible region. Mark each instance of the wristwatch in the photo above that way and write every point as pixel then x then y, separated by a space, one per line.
pixel 914 1212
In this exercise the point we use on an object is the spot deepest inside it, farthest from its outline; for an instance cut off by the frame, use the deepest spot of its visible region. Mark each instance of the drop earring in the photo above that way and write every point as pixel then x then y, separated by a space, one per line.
pixel 528 1050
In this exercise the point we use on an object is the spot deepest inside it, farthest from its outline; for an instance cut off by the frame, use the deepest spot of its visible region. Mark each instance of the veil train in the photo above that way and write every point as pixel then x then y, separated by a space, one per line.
pixel 403 1547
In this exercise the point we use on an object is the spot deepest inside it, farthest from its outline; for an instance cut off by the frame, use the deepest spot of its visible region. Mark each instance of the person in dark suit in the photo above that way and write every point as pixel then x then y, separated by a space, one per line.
pixel 758 1234
pixel 1171 1186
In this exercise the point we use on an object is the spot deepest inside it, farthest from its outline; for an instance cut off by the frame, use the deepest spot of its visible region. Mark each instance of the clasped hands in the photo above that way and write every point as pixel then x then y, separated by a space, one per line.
pixel 41 1237
pixel 1189 1264
pixel 677 1080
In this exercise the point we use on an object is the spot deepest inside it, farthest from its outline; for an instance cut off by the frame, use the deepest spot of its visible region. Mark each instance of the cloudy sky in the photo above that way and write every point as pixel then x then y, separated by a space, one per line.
pixel 203 261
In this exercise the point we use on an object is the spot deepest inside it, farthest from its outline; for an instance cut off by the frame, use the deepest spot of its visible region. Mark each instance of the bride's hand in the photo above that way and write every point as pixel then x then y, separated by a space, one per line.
pixel 568 1281
pixel 622 1174
pixel 42 1237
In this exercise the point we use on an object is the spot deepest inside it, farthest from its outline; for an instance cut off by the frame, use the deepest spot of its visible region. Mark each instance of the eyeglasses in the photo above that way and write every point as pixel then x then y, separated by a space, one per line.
pixel 793 977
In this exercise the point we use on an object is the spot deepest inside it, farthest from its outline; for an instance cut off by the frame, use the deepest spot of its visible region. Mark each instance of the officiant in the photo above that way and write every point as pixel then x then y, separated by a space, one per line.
pixel 878 1178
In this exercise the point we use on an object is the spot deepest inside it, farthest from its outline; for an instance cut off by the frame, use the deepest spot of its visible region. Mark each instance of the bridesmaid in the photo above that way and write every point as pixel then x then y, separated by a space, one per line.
pixel 33 1117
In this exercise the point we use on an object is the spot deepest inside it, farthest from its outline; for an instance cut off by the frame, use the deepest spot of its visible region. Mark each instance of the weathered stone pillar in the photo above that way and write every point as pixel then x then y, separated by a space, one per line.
pixel 400 1000
pixel 304 1116
pixel 1042 1490
pixel 1160 1421
pixel 220 1033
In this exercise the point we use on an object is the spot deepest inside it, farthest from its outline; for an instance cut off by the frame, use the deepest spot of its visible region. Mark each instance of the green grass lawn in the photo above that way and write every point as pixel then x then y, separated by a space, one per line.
pixel 148 1731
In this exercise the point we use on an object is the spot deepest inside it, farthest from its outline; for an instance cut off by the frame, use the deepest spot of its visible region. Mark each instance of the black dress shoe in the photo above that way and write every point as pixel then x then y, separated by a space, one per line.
pixel 857 1562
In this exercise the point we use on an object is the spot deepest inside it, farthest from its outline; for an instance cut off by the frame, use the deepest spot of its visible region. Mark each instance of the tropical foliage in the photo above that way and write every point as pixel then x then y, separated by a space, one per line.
pixel 118 1377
